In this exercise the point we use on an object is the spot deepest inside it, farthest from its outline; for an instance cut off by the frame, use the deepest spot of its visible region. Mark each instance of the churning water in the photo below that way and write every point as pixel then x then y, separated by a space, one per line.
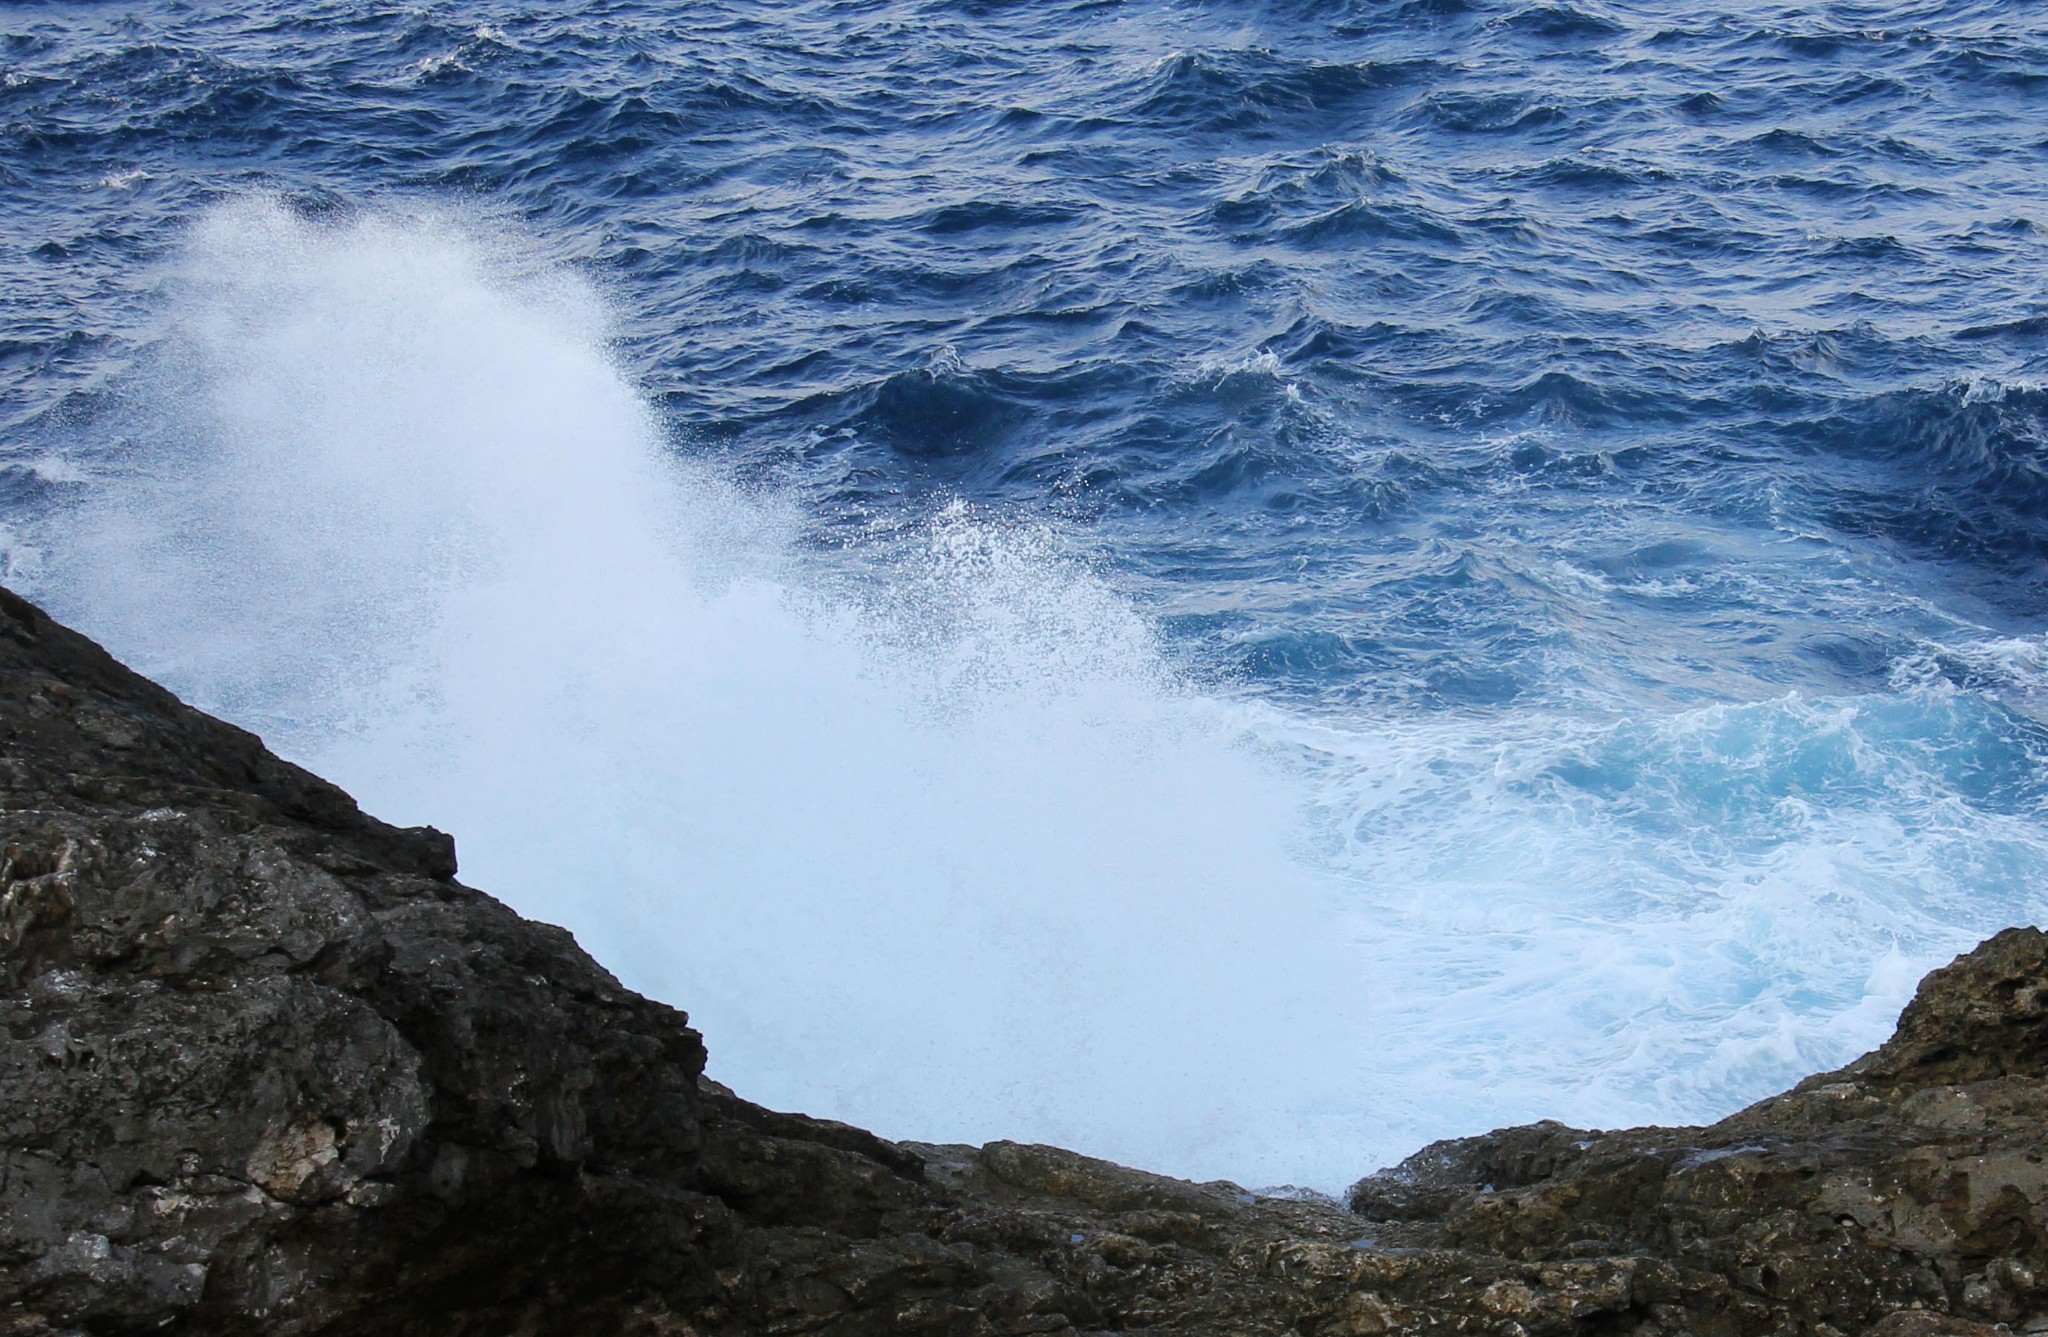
pixel 1234 587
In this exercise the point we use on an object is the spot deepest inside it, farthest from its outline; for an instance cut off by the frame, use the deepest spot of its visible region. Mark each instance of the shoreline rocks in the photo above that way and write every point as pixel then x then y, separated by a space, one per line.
pixel 266 1066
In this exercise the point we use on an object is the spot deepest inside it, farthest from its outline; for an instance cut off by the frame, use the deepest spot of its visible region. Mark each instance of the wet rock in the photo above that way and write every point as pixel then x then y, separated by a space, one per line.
pixel 266 1066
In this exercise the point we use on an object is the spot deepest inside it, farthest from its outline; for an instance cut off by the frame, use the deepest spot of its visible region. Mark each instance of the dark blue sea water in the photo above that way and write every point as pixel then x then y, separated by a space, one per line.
pixel 1239 586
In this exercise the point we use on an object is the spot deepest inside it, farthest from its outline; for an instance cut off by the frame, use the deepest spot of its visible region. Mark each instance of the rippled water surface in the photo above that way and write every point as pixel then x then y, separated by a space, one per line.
pixel 1237 586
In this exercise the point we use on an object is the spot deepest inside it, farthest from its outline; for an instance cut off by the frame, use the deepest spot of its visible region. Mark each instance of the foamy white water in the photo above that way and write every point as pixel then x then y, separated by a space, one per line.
pixel 932 838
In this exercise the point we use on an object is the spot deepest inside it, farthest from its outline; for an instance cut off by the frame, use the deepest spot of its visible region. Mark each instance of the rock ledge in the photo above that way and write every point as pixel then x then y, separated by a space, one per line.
pixel 267 1067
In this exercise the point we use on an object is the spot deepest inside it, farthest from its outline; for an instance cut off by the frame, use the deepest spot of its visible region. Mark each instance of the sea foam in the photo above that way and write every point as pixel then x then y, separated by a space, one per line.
pixel 937 845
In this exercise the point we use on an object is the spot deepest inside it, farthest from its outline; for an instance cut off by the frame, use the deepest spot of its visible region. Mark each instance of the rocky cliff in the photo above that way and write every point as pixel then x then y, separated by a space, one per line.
pixel 267 1066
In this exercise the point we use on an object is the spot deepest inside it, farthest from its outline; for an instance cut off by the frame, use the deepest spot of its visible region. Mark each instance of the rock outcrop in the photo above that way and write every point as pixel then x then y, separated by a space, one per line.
pixel 267 1066
pixel 1914 1178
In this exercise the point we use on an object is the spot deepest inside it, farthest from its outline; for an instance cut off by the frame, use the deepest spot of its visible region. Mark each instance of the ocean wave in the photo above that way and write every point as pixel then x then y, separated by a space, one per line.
pixel 1554 490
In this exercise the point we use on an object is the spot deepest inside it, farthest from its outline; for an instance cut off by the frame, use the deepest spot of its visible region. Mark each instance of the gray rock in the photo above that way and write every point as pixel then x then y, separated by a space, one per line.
pixel 266 1066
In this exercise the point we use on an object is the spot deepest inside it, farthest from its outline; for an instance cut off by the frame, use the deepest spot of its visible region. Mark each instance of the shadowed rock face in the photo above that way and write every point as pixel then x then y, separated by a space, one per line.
pixel 266 1066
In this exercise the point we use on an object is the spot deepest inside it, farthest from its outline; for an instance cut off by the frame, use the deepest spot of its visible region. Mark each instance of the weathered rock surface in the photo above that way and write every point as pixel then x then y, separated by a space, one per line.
pixel 266 1066
pixel 1916 1177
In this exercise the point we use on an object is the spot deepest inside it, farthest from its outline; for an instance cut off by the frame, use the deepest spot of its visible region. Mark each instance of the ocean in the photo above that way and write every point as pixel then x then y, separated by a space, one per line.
pixel 1234 586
